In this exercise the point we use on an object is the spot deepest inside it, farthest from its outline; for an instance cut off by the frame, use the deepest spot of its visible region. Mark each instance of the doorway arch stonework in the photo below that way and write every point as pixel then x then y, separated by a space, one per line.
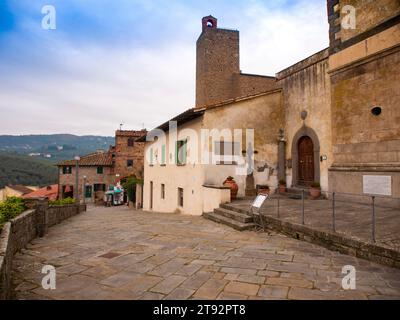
pixel 305 132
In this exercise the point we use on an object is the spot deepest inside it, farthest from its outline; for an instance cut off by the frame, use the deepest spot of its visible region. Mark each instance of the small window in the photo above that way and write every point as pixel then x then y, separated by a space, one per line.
pixel 129 163
pixel 100 170
pixel 376 111
pixel 131 142
pixel 162 191
pixel 227 151
pixel 181 151
pixel 67 170
pixel 151 157
pixel 180 197
pixel 163 155
pixel 99 187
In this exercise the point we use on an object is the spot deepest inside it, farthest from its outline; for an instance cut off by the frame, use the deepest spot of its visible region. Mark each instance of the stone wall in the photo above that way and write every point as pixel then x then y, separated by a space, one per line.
pixel 371 17
pixel 124 152
pixel 218 74
pixel 18 232
pixel 306 89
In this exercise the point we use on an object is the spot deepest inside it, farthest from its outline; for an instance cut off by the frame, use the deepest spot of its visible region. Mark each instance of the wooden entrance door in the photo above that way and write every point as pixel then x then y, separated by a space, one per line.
pixel 306 161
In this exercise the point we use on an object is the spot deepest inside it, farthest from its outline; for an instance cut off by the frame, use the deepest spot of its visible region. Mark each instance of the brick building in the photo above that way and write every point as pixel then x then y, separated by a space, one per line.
pixel 102 169
pixel 331 119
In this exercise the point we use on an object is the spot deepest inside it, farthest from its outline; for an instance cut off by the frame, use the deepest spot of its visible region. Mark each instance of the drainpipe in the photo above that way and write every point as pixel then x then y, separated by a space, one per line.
pixel 281 155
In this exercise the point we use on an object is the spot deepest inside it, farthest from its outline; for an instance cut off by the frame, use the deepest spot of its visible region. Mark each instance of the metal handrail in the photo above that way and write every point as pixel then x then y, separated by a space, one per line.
pixel 334 200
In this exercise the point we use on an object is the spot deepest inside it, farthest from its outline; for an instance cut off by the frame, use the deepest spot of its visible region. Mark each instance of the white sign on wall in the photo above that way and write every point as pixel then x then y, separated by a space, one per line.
pixel 380 185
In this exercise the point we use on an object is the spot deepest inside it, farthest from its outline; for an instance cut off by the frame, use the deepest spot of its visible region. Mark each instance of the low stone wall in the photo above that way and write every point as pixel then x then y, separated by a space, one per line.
pixel 17 233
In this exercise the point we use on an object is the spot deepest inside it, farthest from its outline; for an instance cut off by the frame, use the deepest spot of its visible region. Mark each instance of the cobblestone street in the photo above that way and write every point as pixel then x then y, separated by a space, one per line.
pixel 119 253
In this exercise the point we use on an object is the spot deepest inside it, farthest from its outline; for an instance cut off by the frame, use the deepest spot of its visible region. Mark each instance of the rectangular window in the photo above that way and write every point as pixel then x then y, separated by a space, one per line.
pixel 180 197
pixel 162 191
pixel 151 156
pixel 100 170
pixel 129 163
pixel 67 170
pixel 99 187
pixel 131 142
pixel 163 155
pixel 180 152
pixel 226 152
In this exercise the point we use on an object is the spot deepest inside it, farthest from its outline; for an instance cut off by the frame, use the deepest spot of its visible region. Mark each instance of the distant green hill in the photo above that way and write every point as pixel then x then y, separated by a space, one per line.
pixel 54 147
pixel 20 169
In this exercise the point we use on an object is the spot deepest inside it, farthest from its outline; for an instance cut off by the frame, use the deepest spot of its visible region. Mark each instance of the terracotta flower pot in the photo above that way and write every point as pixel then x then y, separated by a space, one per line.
pixel 230 182
pixel 315 193
pixel 264 191
pixel 282 188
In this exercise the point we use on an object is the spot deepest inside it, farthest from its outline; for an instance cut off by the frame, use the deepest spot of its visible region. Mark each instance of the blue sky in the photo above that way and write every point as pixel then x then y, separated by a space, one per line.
pixel 132 61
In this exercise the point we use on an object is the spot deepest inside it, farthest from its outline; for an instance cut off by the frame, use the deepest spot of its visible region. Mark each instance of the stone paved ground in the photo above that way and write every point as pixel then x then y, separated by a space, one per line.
pixel 170 256
pixel 353 219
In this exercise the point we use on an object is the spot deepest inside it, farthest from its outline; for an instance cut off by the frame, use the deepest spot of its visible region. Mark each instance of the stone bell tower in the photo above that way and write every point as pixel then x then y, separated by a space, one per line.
pixel 217 61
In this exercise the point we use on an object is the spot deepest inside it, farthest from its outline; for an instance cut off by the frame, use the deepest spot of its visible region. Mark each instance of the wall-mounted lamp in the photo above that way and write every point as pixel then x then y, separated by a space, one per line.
pixel 324 157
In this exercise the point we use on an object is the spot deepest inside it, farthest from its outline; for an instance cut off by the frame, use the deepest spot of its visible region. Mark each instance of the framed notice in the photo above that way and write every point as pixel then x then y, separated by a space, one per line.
pixel 258 202
pixel 379 185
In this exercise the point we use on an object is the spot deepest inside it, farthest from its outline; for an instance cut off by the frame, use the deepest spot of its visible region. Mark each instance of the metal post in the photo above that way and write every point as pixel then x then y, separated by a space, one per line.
pixel 373 219
pixel 278 206
pixel 84 190
pixel 302 211
pixel 333 213
pixel 77 179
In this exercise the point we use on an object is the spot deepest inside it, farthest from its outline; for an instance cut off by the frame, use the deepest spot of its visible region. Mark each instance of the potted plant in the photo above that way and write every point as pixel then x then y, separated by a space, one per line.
pixel 315 190
pixel 282 186
pixel 231 183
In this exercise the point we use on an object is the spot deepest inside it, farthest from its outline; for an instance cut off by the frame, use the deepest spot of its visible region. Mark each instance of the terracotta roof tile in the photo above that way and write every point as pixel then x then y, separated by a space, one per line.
pixel 50 192
pixel 94 159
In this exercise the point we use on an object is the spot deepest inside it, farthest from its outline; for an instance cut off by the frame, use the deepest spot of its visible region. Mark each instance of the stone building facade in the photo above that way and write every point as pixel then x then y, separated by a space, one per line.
pixel 100 170
pixel 331 119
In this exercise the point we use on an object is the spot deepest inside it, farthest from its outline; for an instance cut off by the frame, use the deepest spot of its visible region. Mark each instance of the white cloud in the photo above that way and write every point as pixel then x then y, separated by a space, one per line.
pixel 90 89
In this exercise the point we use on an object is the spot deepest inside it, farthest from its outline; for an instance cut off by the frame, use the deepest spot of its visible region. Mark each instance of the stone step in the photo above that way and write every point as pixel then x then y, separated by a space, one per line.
pixel 228 221
pixel 244 218
pixel 235 208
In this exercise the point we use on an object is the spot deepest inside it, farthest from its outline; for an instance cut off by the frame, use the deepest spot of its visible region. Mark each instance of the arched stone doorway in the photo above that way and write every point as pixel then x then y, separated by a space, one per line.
pixel 305 158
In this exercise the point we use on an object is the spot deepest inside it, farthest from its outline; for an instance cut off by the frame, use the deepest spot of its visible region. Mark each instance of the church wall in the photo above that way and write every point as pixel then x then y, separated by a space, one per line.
pixel 306 87
pixel 265 115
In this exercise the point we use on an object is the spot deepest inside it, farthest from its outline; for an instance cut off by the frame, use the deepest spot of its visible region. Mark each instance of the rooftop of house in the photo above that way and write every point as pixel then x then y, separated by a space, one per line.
pixel 180 119
pixel 194 113
pixel 50 192
pixel 20 188
pixel 96 159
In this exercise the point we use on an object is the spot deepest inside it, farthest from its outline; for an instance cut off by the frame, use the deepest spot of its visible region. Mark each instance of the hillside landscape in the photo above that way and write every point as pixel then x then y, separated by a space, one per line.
pixel 30 159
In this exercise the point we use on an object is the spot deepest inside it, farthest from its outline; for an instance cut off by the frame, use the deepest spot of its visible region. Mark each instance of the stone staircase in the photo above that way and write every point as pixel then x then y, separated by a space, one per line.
pixel 231 216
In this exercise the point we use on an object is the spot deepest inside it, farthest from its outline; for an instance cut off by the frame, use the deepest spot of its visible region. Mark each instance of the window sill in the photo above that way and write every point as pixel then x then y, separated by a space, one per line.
pixel 163 165
pixel 226 164
pixel 181 164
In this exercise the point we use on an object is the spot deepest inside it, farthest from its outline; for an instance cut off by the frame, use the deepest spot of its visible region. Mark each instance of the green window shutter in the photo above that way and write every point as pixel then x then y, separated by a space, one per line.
pixel 163 154
pixel 177 152
pixel 184 151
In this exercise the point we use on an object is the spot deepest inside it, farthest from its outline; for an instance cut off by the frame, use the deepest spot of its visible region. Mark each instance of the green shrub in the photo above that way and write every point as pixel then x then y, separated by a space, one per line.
pixel 11 208
pixel 315 185
pixel 62 202
pixel 130 186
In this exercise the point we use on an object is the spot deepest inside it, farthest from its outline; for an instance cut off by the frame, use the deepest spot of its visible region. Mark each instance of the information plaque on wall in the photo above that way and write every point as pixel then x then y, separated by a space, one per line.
pixel 379 185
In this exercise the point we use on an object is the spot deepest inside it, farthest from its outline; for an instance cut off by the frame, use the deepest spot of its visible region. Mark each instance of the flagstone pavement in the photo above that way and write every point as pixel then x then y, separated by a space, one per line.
pixel 120 253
